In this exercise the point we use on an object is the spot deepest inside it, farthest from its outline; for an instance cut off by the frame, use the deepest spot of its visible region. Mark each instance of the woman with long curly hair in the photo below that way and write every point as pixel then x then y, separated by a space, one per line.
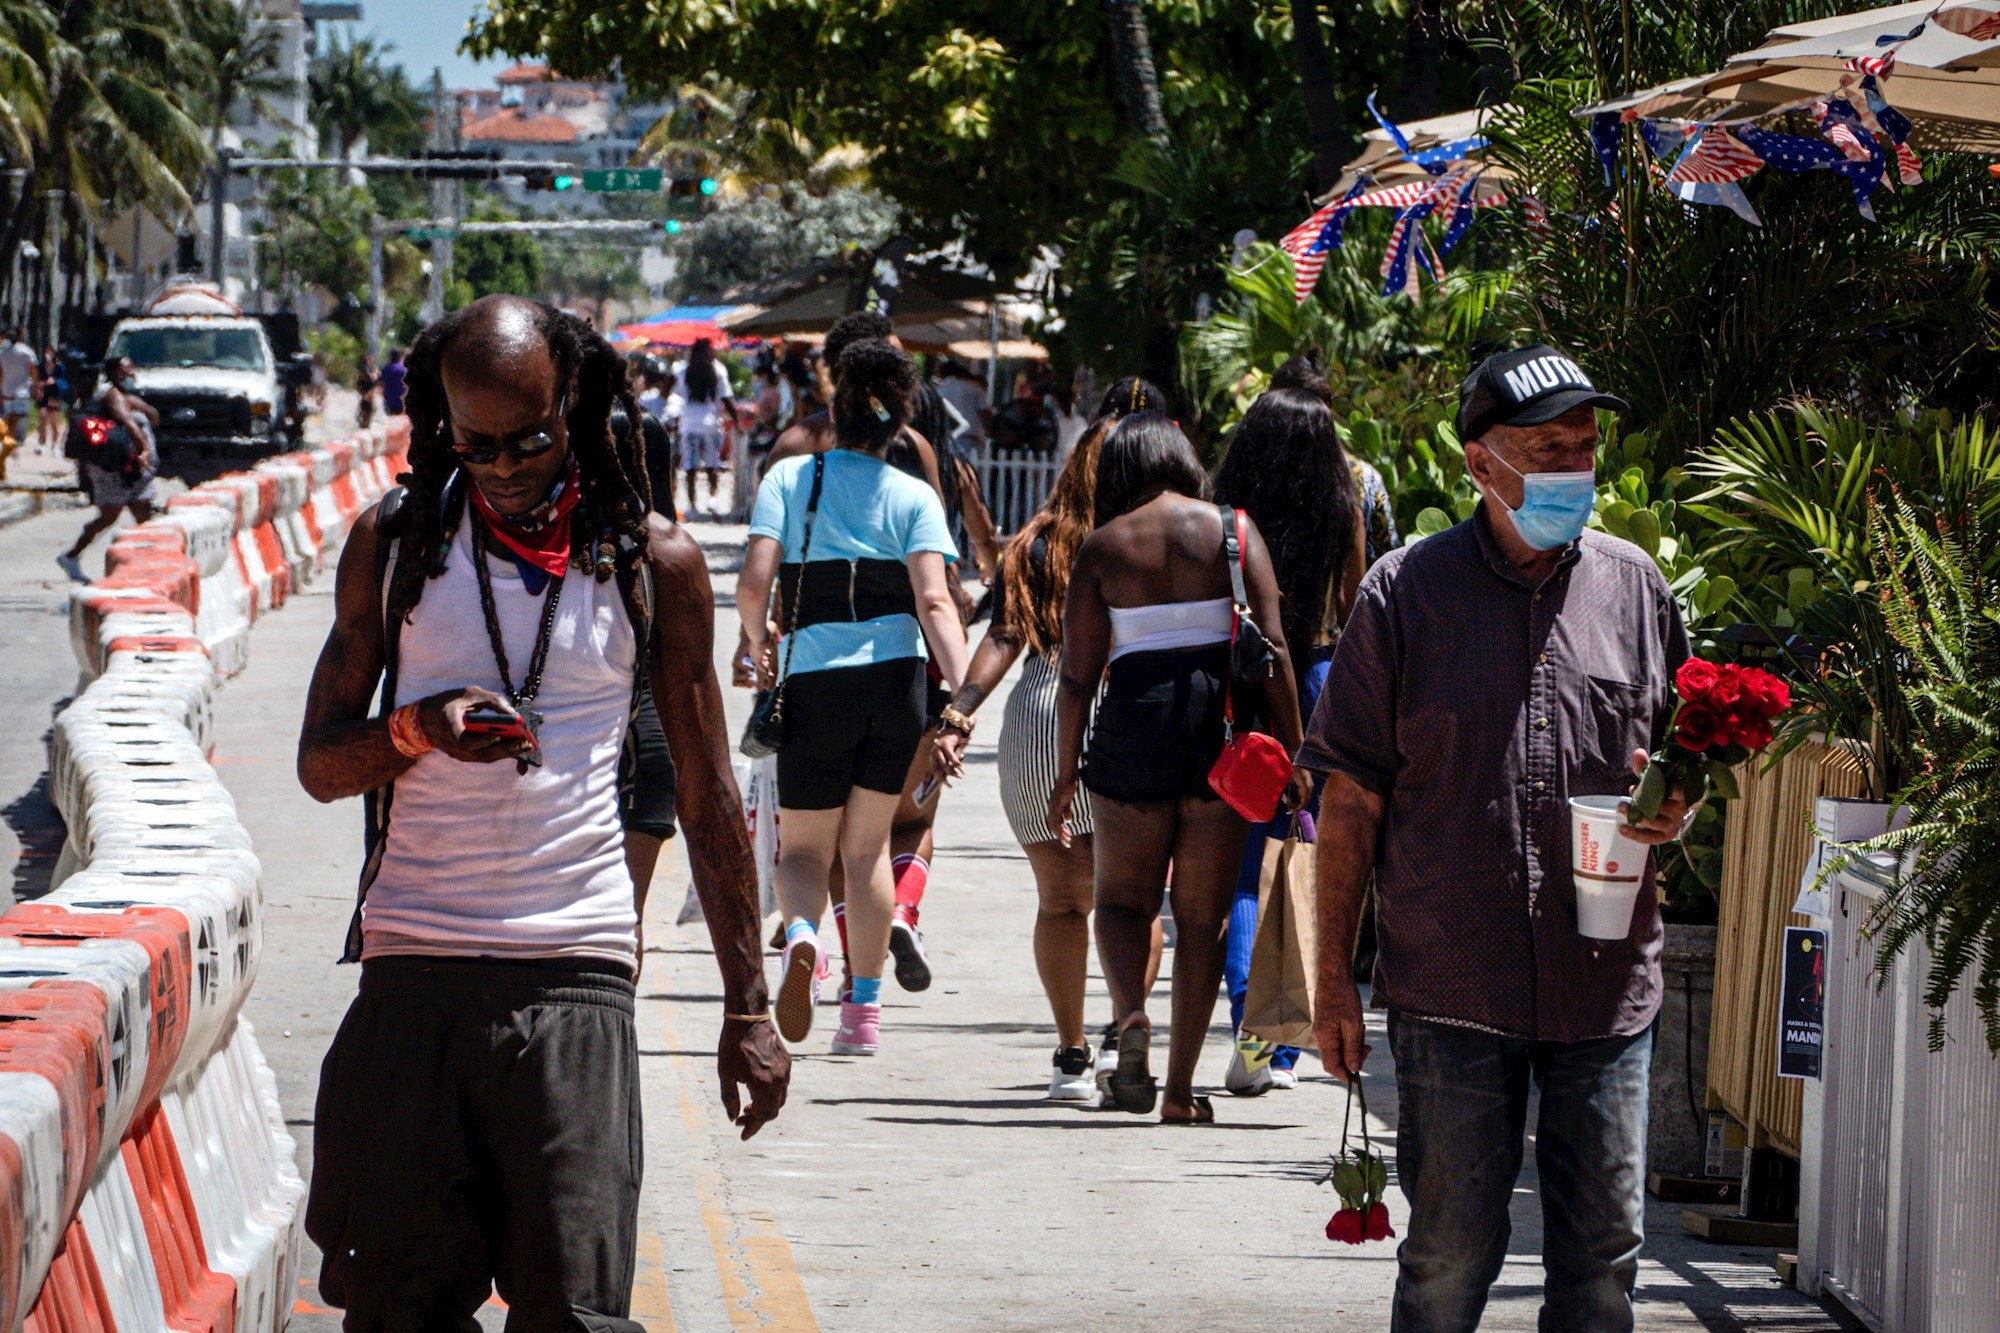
pixel 1028 601
pixel 1285 468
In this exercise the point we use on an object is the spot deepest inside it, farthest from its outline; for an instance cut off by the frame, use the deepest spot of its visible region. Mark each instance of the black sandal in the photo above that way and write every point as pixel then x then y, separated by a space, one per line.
pixel 1203 1114
pixel 1133 1087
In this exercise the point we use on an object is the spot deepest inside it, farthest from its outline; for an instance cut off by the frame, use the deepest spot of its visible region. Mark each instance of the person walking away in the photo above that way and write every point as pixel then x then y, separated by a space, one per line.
pixel 395 376
pixel 366 381
pixel 707 403
pixel 1487 675
pixel 478 1115
pixel 17 392
pixel 1028 597
pixel 910 835
pixel 118 461
pixel 864 587
pixel 1378 520
pixel 967 395
pixel 1286 470
pixel 1151 598
pixel 51 393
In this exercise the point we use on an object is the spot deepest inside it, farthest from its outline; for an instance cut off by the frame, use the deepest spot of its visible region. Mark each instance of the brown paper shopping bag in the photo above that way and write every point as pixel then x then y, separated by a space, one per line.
pixel 1279 1005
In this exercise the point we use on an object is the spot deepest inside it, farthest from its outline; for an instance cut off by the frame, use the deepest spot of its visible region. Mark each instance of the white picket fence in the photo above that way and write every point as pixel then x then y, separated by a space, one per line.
pixel 1015 484
pixel 1899 1207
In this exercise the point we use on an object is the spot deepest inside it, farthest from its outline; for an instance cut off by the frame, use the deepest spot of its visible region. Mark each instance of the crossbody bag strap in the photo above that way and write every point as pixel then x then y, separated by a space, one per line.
pixel 1232 551
pixel 799 584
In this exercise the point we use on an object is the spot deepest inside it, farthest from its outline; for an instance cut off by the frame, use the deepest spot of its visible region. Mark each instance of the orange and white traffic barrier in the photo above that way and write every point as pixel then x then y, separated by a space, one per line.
pixel 147 1179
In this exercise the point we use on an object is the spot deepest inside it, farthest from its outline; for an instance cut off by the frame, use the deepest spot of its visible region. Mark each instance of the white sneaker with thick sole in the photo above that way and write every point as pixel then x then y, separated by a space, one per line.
pixel 1073 1075
pixel 1283 1080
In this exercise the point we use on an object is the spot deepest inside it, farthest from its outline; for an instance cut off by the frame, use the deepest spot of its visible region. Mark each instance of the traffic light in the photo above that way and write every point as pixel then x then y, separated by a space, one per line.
pixel 708 185
pixel 687 187
pixel 547 180
pixel 673 226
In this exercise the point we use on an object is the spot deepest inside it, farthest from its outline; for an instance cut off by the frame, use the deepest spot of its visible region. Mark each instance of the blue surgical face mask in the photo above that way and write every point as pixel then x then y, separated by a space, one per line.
pixel 1555 506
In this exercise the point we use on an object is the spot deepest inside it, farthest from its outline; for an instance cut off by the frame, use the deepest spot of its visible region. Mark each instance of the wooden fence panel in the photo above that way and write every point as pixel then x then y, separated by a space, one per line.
pixel 1765 850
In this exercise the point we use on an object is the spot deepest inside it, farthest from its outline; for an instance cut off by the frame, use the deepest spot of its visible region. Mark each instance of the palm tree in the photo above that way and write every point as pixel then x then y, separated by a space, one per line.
pixel 24 91
pixel 1138 81
pixel 355 91
pixel 243 61
pixel 117 127
pixel 1320 92
pixel 726 132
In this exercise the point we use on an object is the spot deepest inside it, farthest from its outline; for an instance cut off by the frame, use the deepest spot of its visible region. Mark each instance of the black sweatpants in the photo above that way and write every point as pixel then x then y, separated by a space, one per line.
pixel 478 1127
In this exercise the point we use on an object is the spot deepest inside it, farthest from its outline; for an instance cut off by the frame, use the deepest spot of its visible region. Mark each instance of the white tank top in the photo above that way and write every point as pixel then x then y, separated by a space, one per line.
pixel 1164 625
pixel 484 860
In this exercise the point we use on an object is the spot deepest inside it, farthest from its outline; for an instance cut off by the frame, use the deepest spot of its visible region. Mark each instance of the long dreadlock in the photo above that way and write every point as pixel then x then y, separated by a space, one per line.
pixel 609 525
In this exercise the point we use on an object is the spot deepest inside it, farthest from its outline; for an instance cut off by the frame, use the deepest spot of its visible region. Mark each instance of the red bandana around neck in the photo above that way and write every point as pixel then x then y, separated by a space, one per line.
pixel 539 538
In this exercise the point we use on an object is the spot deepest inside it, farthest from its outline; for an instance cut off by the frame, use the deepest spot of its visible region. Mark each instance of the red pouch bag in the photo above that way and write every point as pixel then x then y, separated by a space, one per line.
pixel 1253 769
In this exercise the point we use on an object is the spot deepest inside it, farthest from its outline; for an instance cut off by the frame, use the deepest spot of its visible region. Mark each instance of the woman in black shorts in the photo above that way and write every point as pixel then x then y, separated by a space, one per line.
pixel 858 552
pixel 1150 600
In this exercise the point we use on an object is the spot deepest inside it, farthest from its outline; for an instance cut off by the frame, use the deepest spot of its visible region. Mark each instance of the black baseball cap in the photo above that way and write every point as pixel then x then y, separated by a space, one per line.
pixel 1526 387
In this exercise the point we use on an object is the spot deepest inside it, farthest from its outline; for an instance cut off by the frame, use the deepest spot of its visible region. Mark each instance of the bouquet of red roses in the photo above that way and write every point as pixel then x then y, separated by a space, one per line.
pixel 1724 717
pixel 1359 1176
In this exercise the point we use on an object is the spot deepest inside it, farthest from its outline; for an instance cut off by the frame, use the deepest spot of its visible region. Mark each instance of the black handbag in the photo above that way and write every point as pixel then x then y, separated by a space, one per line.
pixel 1251 656
pixel 764 733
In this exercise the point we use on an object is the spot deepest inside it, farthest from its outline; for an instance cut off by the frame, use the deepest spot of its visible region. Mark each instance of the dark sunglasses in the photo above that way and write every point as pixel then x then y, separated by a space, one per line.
pixel 521 450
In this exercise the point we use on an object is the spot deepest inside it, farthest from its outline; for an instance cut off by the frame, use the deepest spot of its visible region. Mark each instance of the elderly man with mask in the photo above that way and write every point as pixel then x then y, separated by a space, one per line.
pixel 1488 674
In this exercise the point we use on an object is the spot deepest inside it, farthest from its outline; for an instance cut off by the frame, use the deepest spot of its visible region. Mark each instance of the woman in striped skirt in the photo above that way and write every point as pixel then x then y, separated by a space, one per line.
pixel 1028 598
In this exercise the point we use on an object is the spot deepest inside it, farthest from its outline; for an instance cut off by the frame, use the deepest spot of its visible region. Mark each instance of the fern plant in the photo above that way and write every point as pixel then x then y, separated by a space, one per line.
pixel 1940 600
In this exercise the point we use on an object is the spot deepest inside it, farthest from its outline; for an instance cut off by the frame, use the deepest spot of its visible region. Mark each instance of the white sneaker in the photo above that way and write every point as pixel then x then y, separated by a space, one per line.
pixel 1073 1075
pixel 1250 1072
pixel 1283 1080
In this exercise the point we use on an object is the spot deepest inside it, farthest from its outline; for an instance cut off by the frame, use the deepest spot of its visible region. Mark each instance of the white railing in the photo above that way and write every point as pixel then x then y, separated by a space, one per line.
pixel 1899 1214
pixel 1015 484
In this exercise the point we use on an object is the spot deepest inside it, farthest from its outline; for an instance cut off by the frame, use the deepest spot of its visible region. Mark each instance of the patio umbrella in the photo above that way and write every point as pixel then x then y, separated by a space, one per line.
pixel 1937 63
pixel 808 300
pixel 1382 163
pixel 679 326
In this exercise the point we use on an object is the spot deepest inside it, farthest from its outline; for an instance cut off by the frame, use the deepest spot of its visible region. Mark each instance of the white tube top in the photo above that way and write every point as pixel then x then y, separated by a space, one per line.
pixel 1166 625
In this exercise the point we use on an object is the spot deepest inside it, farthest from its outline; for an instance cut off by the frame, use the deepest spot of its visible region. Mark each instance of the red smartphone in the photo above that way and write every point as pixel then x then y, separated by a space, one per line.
pixel 487 720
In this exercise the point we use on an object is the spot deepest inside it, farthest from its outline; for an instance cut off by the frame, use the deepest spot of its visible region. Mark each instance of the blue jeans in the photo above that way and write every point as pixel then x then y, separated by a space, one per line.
pixel 1241 936
pixel 1463 1106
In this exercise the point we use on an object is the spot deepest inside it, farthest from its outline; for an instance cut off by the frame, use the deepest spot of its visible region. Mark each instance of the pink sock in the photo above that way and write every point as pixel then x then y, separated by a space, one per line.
pixel 913 876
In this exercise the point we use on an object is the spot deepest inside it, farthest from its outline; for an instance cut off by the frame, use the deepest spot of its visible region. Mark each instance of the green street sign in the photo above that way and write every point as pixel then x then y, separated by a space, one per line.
pixel 625 180
pixel 429 233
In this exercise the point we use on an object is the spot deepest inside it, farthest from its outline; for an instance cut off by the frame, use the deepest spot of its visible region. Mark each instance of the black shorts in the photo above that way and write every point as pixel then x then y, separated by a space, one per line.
pixel 478 1126
pixel 1158 728
pixel 849 727
pixel 646 774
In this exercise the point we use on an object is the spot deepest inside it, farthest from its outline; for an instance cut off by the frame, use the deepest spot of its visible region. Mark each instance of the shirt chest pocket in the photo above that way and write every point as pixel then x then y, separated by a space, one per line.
pixel 1613 718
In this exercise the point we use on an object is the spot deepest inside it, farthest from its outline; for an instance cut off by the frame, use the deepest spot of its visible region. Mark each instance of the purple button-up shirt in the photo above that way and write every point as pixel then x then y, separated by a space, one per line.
pixel 1476 704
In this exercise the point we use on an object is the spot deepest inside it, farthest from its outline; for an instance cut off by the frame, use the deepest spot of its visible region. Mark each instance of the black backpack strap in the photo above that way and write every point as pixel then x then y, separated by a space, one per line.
pixel 390 523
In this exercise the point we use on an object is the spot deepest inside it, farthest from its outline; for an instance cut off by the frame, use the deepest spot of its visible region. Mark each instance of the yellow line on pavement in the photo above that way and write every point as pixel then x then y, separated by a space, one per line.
pixel 651 1305
pixel 760 1282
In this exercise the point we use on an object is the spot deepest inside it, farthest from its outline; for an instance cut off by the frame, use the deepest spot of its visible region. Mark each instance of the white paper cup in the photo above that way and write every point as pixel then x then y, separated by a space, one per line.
pixel 1607 865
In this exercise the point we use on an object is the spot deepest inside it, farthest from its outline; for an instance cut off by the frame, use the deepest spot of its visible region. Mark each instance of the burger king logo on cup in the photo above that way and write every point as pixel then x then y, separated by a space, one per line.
pixel 1607 866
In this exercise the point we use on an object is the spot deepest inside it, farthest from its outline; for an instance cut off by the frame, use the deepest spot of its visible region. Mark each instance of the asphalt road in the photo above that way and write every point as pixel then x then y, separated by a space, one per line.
pixel 930 1188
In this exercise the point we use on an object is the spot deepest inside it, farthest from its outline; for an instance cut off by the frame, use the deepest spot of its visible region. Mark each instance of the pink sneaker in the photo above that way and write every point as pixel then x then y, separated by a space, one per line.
pixel 860 1031
pixel 798 991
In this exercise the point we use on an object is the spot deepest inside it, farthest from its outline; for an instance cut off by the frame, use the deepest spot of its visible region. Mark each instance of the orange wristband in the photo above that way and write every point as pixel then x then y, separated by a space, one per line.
pixel 406 733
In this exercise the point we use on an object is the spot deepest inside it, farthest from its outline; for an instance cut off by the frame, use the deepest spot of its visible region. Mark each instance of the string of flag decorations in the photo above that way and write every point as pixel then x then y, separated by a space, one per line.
pixel 1853 131
pixel 1448 192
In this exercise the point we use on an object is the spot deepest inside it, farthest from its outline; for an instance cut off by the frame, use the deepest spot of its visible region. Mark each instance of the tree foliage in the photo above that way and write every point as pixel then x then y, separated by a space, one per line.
pixel 356 92
pixel 760 236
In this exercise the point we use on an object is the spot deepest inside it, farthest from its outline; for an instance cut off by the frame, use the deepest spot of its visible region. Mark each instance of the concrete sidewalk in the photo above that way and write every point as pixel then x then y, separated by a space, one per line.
pixel 931 1187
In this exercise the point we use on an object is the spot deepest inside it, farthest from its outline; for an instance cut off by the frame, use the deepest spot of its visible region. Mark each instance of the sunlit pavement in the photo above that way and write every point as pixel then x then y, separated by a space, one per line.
pixel 930 1188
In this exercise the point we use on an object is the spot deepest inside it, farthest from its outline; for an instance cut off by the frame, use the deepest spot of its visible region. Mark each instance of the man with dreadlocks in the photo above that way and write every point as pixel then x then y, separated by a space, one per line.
pixel 478 1115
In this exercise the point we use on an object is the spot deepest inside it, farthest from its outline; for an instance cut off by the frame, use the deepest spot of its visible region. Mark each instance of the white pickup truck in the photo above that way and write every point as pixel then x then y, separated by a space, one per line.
pixel 223 392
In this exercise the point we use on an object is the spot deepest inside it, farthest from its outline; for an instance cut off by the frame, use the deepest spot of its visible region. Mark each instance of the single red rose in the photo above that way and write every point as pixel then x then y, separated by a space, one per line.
pixel 1727 691
pixel 1695 679
pixel 1700 727
pixel 1752 732
pixel 1345 1226
pixel 1377 1225
pixel 1765 693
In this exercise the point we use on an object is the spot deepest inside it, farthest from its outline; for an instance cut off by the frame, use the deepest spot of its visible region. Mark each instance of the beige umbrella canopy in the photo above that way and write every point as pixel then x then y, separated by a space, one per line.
pixel 1945 78
pixel 1383 164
